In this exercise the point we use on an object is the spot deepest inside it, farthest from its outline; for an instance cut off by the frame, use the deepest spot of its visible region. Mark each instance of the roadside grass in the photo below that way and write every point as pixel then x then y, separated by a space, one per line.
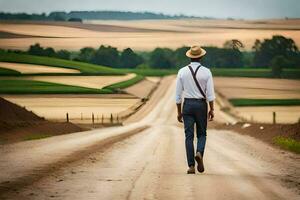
pixel 124 84
pixel 265 102
pixel 8 72
pixel 40 87
pixel 287 143
pixel 84 68
pixel 36 136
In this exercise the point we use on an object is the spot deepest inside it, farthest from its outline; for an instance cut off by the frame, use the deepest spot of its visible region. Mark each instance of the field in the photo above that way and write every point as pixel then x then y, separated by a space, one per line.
pixel 260 88
pixel 84 68
pixel 39 87
pixel 257 98
pixel 265 102
pixel 47 76
pixel 96 82
pixel 59 76
pixel 141 35
pixel 74 130
pixel 254 72
pixel 34 69
pixel 55 107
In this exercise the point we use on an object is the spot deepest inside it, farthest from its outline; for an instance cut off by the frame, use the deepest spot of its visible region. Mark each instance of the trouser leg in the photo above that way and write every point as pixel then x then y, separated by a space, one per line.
pixel 201 126
pixel 189 122
pixel 201 140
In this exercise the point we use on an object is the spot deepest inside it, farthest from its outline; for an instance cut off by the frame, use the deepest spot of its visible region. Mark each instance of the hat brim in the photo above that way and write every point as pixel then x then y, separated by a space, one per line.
pixel 190 55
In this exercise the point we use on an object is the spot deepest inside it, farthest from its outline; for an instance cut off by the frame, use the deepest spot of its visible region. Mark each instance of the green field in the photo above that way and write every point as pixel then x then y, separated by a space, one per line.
pixel 265 102
pixel 125 84
pixel 91 69
pixel 287 143
pixel 84 68
pixel 8 72
pixel 254 72
pixel 222 72
pixel 39 87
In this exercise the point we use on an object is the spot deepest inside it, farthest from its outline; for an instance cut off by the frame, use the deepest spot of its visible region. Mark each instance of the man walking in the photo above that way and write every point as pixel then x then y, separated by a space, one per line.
pixel 195 84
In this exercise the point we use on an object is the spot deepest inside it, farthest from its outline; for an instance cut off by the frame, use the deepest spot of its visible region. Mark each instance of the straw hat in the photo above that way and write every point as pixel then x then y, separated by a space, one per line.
pixel 195 52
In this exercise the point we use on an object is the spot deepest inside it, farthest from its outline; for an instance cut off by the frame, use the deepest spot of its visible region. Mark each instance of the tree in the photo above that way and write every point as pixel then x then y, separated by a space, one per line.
pixel 180 58
pixel 75 20
pixel 63 54
pixel 277 46
pixel 49 52
pixel 58 16
pixel 221 57
pixel 129 59
pixel 107 56
pixel 86 54
pixel 161 58
pixel 233 44
pixel 277 64
pixel 36 49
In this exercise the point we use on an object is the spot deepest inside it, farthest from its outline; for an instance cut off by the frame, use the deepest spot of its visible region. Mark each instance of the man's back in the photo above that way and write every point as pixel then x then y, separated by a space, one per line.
pixel 186 85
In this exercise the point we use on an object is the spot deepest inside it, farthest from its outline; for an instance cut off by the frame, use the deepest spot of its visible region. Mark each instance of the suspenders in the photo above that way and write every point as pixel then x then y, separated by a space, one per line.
pixel 195 79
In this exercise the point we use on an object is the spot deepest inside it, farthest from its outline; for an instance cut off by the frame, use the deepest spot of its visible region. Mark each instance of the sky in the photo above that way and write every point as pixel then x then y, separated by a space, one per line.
pixel 246 9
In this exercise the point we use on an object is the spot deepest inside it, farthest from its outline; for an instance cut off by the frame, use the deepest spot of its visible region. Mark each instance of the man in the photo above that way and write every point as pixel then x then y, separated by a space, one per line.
pixel 195 83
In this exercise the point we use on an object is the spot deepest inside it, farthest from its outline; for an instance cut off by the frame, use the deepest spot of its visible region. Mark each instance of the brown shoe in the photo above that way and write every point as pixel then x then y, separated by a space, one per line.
pixel 191 170
pixel 200 166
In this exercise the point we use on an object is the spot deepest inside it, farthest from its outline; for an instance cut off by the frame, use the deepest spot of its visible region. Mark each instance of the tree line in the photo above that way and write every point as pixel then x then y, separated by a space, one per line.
pixel 89 15
pixel 277 52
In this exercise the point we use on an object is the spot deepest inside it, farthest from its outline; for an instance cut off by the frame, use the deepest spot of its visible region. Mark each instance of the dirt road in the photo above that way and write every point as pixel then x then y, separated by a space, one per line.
pixel 145 159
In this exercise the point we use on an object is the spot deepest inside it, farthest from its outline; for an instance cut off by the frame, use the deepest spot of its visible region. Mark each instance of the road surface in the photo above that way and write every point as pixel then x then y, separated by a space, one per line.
pixel 145 159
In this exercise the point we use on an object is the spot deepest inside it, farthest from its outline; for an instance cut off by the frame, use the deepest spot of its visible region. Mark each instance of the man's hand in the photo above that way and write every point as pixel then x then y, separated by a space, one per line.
pixel 211 115
pixel 179 117
pixel 179 113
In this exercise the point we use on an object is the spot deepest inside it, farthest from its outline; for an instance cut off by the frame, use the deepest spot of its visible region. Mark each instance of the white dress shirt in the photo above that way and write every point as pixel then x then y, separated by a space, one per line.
pixel 186 86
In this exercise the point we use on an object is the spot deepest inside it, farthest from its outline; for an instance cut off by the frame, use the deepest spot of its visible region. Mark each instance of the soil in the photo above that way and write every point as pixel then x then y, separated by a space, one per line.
pixel 141 89
pixel 17 124
pixel 11 112
pixel 262 131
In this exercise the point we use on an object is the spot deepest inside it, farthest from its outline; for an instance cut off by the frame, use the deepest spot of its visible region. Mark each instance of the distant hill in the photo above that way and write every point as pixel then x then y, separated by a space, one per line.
pixel 90 15
pixel 117 15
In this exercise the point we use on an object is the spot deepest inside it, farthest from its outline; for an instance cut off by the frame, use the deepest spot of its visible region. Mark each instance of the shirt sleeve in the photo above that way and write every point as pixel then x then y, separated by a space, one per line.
pixel 179 89
pixel 210 92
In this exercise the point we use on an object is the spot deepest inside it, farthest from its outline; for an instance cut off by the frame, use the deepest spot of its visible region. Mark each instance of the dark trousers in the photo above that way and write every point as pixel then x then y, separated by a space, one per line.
pixel 194 112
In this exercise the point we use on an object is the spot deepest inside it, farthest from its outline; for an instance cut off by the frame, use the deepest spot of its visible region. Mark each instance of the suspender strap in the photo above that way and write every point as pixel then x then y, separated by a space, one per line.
pixel 195 79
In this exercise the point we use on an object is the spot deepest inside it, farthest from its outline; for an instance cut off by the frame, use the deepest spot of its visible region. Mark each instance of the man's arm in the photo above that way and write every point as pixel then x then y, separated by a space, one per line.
pixel 210 97
pixel 179 90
